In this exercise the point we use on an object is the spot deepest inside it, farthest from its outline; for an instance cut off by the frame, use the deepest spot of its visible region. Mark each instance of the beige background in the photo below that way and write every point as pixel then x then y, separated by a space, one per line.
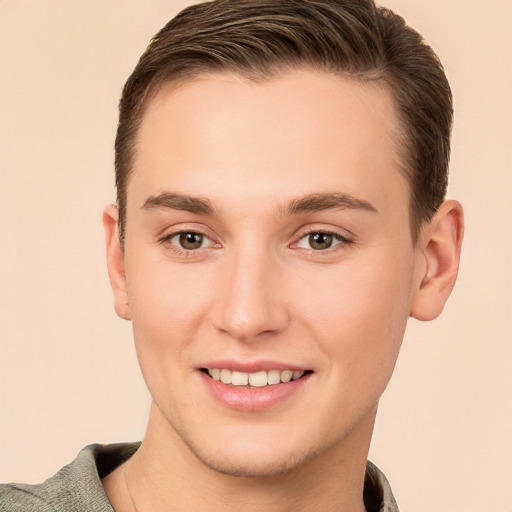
pixel 68 374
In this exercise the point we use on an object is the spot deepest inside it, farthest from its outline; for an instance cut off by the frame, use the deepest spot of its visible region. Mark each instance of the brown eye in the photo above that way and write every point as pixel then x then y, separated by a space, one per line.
pixel 191 241
pixel 320 241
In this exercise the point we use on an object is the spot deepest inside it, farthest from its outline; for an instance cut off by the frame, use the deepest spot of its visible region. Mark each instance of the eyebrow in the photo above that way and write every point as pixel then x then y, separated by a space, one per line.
pixel 326 201
pixel 307 204
pixel 198 205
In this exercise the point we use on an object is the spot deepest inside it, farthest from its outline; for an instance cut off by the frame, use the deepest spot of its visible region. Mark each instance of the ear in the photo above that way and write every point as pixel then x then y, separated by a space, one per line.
pixel 115 261
pixel 438 255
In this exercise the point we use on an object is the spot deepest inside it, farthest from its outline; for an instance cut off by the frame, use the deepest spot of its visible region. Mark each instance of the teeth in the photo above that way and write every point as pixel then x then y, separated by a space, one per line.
pixel 255 380
pixel 240 379
pixel 274 377
pixel 225 376
pixel 286 376
pixel 258 379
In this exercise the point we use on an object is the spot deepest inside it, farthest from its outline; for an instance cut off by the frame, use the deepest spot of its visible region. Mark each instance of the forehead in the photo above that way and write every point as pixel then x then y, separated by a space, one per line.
pixel 301 132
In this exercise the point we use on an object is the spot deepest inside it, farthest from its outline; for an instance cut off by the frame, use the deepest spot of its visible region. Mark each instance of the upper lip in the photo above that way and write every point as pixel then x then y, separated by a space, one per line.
pixel 252 366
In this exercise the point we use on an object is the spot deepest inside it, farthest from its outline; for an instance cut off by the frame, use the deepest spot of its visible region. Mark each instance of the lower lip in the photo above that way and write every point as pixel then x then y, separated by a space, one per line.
pixel 253 399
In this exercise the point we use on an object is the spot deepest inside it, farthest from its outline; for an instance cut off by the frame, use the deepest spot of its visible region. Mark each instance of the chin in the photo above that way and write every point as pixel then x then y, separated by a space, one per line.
pixel 256 457
pixel 251 464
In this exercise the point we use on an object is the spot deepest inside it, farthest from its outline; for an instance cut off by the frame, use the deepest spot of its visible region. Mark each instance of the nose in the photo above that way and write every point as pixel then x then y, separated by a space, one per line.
pixel 251 305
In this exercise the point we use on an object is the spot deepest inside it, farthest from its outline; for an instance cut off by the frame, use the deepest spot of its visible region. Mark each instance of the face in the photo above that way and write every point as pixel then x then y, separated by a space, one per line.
pixel 269 265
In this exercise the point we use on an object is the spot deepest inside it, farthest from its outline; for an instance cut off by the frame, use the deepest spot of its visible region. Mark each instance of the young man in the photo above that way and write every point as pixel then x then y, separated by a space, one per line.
pixel 281 170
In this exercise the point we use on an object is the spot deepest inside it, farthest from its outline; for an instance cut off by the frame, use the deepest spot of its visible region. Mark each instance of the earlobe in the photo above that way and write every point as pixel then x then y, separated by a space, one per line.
pixel 115 261
pixel 438 261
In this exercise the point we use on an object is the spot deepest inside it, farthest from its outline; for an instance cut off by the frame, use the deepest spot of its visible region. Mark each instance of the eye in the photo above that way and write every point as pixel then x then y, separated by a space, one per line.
pixel 188 240
pixel 321 241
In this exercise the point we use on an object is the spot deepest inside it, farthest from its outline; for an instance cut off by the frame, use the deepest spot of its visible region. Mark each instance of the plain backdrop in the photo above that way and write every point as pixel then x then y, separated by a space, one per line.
pixel 68 372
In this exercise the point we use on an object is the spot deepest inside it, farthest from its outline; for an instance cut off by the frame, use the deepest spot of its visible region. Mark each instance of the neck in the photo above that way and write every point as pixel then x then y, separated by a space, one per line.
pixel 165 475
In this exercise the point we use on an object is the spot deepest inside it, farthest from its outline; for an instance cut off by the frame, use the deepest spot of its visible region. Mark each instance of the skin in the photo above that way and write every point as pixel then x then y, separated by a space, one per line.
pixel 256 289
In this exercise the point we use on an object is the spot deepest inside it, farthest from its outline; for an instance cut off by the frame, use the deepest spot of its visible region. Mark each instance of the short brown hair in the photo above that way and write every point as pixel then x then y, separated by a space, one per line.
pixel 260 39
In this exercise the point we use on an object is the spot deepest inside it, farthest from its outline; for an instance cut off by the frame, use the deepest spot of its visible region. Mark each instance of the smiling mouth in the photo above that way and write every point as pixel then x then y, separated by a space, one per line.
pixel 256 379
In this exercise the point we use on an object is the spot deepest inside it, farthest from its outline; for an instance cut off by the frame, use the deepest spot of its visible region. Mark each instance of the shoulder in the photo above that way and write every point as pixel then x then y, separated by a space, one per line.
pixel 21 498
pixel 76 487
pixel 378 496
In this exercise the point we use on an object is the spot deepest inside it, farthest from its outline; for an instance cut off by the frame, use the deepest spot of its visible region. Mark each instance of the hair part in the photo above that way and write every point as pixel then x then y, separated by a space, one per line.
pixel 262 39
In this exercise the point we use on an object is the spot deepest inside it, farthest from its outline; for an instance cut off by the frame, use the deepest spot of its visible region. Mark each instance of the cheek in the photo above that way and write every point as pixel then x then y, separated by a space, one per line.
pixel 163 294
pixel 166 309
pixel 359 313
pixel 167 304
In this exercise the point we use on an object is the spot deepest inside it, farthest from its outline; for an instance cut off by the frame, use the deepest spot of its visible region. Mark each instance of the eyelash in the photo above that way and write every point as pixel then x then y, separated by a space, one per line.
pixel 341 239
